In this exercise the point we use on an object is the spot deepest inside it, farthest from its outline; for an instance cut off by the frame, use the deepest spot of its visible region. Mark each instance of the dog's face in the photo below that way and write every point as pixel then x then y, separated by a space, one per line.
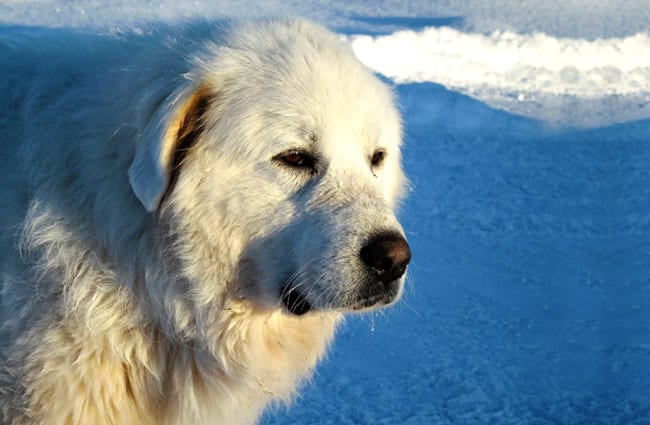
pixel 294 170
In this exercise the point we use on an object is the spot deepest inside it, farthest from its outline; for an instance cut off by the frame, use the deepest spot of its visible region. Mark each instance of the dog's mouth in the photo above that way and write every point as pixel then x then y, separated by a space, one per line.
pixel 297 304
pixel 295 301
pixel 372 301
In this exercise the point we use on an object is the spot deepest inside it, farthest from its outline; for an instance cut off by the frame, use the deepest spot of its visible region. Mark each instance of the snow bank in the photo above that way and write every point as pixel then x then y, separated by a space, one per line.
pixel 564 81
pixel 511 62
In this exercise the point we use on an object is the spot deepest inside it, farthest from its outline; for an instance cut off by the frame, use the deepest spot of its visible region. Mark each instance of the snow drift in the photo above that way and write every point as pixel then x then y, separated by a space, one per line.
pixel 519 72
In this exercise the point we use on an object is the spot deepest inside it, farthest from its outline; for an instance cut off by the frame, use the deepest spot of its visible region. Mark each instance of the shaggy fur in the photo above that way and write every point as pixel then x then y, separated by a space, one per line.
pixel 152 219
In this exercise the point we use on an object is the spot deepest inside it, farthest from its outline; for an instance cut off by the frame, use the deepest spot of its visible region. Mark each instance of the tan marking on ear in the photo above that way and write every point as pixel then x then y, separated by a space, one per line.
pixel 187 124
pixel 184 131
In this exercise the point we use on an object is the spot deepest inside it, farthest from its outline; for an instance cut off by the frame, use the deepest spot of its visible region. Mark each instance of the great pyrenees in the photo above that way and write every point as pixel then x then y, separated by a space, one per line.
pixel 185 216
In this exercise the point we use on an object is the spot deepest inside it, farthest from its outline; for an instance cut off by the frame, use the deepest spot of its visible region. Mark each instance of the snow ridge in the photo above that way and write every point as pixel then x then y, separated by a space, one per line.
pixel 510 62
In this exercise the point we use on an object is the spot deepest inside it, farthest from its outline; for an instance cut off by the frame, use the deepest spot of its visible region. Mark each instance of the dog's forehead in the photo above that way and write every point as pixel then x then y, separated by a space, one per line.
pixel 330 111
pixel 305 88
pixel 335 125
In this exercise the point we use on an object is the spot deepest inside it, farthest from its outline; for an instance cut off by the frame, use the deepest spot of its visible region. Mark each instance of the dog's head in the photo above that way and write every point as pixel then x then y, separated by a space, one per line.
pixel 281 168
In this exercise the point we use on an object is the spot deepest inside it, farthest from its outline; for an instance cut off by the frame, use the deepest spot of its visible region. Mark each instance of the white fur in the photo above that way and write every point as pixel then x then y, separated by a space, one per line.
pixel 129 297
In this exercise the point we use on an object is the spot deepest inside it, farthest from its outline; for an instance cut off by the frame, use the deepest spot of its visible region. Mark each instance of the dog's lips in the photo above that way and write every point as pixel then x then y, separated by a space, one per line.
pixel 383 297
pixel 379 296
pixel 295 301
pixel 372 302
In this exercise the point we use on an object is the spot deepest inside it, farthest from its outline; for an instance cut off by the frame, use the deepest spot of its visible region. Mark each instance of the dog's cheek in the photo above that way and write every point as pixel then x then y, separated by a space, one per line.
pixel 260 217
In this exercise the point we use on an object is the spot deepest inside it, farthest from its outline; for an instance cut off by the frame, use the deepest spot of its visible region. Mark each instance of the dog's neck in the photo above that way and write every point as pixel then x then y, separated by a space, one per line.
pixel 255 357
pixel 245 355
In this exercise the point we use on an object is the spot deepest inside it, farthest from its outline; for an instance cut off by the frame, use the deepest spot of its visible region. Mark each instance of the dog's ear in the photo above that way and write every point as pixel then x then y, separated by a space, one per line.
pixel 163 144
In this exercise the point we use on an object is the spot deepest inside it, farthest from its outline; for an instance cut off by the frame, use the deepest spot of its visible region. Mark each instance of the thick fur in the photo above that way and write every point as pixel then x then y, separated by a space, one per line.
pixel 149 223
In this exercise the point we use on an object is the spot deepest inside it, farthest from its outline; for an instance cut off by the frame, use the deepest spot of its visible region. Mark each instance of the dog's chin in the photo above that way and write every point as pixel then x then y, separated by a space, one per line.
pixel 295 302
pixel 373 302
pixel 377 296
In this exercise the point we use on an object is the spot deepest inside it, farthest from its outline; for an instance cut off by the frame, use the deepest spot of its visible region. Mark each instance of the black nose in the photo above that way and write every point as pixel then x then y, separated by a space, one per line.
pixel 387 254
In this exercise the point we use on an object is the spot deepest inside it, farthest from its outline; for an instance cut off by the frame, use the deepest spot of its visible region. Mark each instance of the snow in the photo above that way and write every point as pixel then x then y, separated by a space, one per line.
pixel 527 126
pixel 455 59
pixel 560 18
pixel 517 71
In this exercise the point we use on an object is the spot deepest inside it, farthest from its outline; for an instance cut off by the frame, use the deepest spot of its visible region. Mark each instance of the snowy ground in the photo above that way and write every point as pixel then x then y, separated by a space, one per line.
pixel 528 151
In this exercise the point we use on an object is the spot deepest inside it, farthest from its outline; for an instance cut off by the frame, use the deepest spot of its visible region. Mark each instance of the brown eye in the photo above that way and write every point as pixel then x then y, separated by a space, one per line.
pixel 377 158
pixel 297 159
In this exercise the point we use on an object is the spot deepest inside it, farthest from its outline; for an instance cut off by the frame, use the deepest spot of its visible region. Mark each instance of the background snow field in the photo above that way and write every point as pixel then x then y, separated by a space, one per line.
pixel 528 150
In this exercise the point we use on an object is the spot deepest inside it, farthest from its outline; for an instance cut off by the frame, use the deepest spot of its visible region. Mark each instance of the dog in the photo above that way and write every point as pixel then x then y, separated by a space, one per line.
pixel 187 213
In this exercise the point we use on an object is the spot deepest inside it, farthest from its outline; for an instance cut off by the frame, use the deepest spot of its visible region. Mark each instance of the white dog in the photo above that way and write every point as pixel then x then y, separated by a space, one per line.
pixel 185 215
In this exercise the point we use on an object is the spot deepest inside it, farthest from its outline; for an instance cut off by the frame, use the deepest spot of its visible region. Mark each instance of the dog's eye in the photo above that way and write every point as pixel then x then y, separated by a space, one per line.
pixel 297 159
pixel 377 158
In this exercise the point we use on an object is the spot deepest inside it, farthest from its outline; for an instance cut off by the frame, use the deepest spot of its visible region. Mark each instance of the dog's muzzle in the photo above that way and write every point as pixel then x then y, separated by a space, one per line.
pixel 385 257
